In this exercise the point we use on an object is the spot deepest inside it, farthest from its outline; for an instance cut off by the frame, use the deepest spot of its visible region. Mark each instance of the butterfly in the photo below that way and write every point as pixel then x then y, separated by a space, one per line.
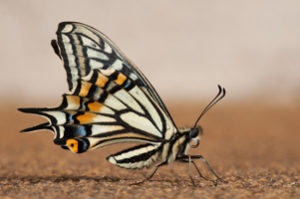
pixel 110 101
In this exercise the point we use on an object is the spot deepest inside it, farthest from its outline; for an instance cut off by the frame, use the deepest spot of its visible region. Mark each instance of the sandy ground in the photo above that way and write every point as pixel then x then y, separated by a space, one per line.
pixel 253 147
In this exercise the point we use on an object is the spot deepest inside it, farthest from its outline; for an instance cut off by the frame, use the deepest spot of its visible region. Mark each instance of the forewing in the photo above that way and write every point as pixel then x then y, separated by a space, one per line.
pixel 83 48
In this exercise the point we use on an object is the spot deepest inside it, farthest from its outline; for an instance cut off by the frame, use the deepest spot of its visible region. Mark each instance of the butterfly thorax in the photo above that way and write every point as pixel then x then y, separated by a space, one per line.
pixel 180 142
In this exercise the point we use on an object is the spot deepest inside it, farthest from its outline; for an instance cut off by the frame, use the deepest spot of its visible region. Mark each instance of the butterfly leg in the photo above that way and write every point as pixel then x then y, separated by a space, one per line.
pixel 150 175
pixel 190 161
pixel 190 173
pixel 208 166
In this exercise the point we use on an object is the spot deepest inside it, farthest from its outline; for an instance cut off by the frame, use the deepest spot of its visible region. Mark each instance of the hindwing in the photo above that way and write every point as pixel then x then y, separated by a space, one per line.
pixel 106 107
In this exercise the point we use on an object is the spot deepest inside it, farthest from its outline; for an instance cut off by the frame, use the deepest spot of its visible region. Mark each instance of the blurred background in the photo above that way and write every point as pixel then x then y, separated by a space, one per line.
pixel 185 49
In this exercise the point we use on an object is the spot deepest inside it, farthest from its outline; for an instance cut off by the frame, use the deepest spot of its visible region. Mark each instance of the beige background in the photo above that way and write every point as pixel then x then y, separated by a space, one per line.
pixel 185 48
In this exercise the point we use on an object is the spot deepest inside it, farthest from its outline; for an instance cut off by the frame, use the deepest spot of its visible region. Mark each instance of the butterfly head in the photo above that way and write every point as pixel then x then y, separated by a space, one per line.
pixel 195 135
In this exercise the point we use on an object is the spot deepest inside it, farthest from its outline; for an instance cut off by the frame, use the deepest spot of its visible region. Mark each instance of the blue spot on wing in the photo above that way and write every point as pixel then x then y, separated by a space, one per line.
pixel 127 84
pixel 80 131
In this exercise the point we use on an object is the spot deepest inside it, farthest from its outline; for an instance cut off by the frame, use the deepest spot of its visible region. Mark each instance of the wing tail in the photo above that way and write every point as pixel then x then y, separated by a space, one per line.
pixel 43 126
pixel 37 111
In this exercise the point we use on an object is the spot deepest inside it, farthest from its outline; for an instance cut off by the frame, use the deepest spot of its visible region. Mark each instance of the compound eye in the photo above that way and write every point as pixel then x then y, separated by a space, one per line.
pixel 194 133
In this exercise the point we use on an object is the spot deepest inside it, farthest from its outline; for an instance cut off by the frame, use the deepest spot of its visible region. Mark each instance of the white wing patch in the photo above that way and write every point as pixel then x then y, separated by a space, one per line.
pixel 58 115
pixel 114 103
pixel 61 130
pixel 140 96
pixel 88 42
pixel 95 64
pixel 140 122
pixel 99 129
pixel 96 54
pixel 69 48
pixel 128 100
pixel 107 110
pixel 118 64
pixel 107 48
pixel 133 76
pixel 71 61
pixel 67 28
pixel 65 38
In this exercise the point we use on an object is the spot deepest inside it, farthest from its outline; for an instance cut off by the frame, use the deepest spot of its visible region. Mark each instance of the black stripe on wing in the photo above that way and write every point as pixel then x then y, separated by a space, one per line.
pixel 136 157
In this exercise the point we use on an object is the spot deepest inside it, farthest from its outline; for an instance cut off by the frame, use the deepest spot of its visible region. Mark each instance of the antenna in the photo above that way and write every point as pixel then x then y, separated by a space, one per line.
pixel 221 94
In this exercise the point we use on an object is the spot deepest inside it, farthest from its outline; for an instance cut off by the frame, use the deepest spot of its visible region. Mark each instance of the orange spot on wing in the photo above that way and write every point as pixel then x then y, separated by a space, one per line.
pixel 74 101
pixel 86 118
pixel 95 106
pixel 101 80
pixel 120 79
pixel 73 145
pixel 85 87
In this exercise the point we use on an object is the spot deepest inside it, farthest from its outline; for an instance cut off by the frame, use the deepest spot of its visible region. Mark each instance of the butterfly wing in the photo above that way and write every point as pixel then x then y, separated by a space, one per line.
pixel 109 100
pixel 83 48
pixel 106 107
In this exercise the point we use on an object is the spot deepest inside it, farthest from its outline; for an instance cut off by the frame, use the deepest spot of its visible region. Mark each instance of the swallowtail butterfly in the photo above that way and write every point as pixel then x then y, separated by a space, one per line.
pixel 110 101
